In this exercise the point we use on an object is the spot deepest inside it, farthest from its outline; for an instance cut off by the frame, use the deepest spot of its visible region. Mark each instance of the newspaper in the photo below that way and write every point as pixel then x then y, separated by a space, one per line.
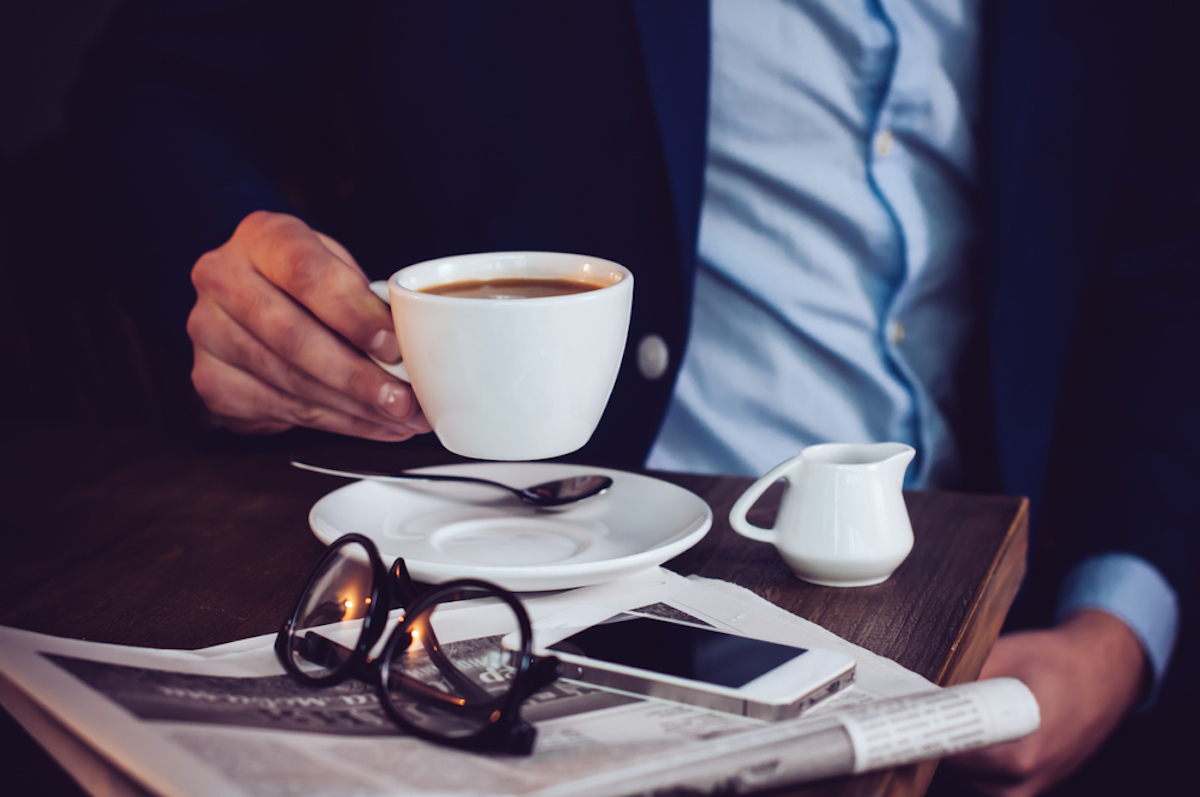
pixel 227 720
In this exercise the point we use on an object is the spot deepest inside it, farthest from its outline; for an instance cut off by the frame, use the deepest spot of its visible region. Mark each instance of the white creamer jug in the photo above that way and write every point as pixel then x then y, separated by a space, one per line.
pixel 842 521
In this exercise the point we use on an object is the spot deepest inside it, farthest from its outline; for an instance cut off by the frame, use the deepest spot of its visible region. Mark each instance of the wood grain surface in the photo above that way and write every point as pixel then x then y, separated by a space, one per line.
pixel 114 537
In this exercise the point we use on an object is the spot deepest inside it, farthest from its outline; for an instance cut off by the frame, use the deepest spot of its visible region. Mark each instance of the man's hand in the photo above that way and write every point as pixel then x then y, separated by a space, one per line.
pixel 283 315
pixel 1086 673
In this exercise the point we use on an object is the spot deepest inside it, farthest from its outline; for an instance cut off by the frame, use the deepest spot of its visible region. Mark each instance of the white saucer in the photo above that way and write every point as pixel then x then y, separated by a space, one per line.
pixel 446 531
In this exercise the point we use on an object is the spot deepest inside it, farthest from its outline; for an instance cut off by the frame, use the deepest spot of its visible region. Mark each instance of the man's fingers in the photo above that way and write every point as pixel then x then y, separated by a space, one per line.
pixel 282 318
pixel 319 274
pixel 237 347
pixel 246 404
pixel 340 252
pixel 288 330
pixel 1085 672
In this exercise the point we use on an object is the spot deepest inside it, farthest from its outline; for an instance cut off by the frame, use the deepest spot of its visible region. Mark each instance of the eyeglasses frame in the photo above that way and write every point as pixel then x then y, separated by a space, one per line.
pixel 506 731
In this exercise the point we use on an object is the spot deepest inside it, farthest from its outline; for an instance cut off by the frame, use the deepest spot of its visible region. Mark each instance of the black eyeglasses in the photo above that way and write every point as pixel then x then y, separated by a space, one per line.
pixel 466 694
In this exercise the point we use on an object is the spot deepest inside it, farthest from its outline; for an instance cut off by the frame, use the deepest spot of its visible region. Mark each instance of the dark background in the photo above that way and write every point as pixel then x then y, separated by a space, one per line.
pixel 69 348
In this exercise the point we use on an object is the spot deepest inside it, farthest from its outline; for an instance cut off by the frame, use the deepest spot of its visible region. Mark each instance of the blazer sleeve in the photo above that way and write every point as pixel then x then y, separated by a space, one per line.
pixel 1092 277
pixel 1127 465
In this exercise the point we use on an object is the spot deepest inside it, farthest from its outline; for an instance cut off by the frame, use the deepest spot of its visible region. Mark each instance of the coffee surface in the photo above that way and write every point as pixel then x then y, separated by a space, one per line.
pixel 518 288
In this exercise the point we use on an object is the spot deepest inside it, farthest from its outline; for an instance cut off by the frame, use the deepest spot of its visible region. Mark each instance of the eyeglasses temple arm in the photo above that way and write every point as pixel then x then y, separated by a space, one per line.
pixel 543 671
pixel 324 652
pixel 460 681
pixel 404 589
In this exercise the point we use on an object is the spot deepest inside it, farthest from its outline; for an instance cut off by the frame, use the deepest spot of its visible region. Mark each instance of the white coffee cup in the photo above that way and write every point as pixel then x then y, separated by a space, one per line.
pixel 842 521
pixel 511 379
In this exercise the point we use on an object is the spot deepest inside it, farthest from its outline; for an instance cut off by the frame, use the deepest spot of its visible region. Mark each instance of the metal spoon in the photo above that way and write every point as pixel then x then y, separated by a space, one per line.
pixel 559 492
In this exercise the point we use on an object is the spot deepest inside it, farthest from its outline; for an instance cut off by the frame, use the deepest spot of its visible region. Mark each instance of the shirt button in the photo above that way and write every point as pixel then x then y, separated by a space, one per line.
pixel 884 141
pixel 896 333
pixel 653 357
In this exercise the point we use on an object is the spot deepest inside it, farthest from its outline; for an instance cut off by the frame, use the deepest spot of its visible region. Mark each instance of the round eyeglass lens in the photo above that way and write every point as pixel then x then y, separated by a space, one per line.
pixel 449 686
pixel 329 622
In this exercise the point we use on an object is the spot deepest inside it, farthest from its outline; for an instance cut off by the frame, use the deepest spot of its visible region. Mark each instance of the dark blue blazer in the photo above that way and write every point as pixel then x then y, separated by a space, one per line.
pixel 413 130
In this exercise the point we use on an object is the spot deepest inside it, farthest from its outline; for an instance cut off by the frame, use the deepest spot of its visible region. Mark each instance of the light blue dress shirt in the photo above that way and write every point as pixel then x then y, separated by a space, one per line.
pixel 834 236
pixel 833 297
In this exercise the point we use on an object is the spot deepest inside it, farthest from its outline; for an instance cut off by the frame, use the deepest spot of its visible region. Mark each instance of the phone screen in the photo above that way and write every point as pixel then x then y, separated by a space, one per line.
pixel 681 650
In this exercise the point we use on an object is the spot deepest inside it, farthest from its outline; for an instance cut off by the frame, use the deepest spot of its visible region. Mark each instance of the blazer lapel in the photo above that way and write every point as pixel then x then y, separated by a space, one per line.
pixel 674 39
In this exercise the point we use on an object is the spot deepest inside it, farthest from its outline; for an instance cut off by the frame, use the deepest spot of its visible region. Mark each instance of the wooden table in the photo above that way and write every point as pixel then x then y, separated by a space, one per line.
pixel 112 537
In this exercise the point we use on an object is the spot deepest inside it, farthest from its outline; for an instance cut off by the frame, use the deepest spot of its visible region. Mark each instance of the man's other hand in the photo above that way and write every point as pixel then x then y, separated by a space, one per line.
pixel 1086 673
pixel 283 317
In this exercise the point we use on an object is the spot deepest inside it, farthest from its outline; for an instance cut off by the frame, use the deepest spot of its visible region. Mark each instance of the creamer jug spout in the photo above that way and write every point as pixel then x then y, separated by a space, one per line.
pixel 894 459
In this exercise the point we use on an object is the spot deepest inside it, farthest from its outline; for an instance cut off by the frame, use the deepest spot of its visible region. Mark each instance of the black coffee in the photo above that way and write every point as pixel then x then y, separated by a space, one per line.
pixel 512 288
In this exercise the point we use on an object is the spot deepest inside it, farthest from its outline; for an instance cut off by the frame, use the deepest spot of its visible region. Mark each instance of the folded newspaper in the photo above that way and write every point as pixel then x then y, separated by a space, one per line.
pixel 227 721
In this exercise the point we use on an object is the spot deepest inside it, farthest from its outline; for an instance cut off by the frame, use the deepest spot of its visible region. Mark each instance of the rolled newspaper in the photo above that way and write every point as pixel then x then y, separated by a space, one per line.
pixel 862 738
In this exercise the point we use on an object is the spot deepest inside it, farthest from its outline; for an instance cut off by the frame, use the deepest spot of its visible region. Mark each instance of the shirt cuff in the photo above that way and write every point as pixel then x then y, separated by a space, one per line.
pixel 1131 589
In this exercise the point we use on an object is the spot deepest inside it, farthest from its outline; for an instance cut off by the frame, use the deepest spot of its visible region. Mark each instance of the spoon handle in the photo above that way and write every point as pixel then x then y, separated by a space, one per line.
pixel 380 476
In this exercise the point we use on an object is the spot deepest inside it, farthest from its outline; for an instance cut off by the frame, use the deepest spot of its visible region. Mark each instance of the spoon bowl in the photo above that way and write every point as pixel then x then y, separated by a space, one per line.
pixel 547 495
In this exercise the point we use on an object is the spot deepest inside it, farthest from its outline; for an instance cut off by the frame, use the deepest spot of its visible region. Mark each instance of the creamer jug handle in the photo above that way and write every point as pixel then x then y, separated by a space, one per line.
pixel 737 515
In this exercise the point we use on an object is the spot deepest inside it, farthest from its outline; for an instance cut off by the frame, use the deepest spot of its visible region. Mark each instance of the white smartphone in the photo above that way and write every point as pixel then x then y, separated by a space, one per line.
pixel 700 666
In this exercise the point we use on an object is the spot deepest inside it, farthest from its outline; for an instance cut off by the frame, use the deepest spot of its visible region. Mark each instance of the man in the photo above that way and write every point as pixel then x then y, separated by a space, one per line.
pixel 1044 241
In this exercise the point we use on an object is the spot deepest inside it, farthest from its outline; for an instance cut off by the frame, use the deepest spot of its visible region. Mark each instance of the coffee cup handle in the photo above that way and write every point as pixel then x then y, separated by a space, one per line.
pixel 398 370
pixel 737 515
